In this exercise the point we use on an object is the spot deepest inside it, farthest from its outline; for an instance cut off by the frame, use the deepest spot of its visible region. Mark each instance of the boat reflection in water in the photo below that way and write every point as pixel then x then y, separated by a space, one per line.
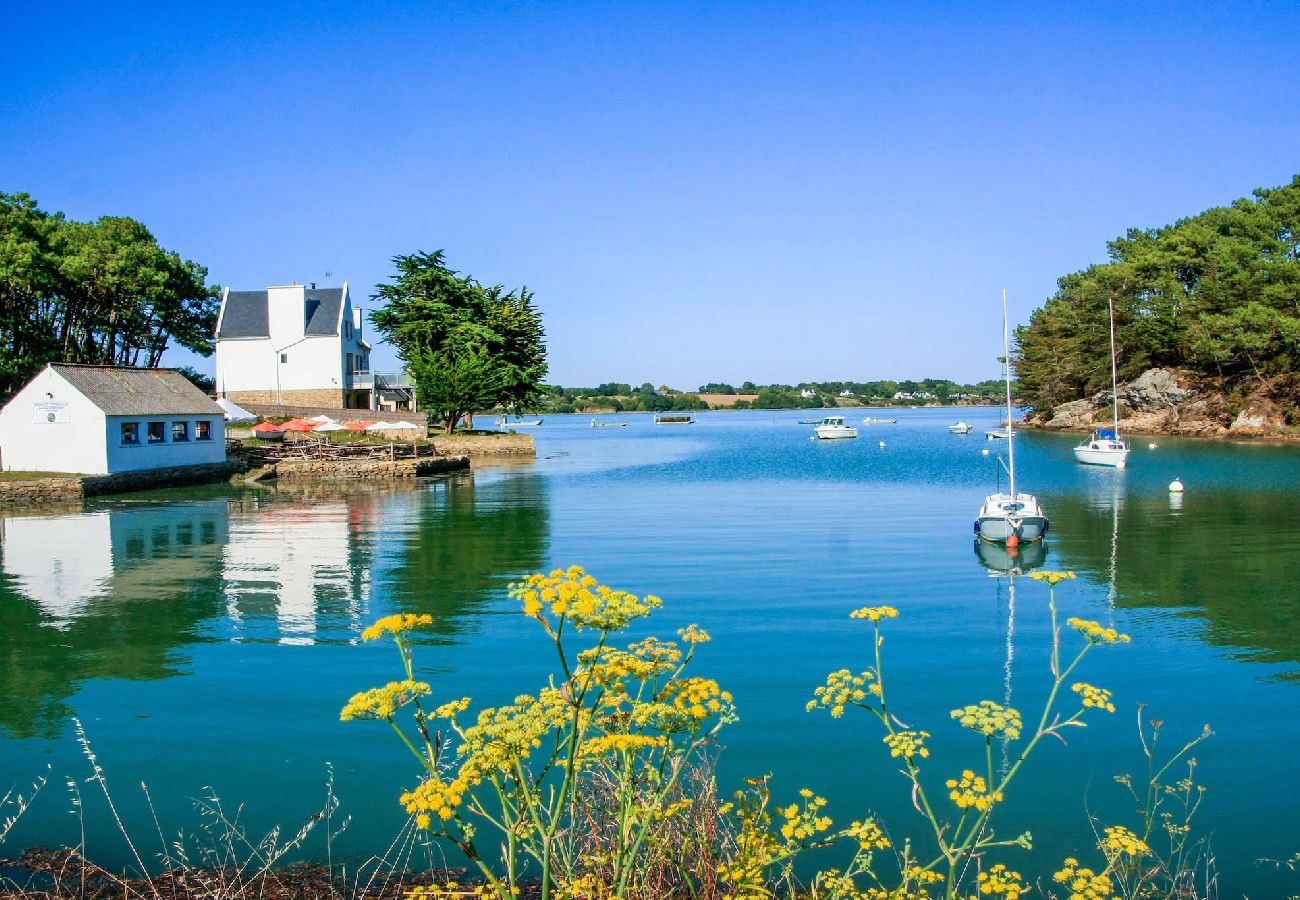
pixel 1001 560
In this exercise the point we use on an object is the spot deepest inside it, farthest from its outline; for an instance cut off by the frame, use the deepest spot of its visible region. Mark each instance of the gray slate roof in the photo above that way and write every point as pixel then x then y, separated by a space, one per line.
pixel 323 306
pixel 245 315
pixel 138 392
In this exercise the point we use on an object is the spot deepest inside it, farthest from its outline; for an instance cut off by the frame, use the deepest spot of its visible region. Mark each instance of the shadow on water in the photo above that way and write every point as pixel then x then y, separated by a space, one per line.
pixel 125 590
pixel 1217 558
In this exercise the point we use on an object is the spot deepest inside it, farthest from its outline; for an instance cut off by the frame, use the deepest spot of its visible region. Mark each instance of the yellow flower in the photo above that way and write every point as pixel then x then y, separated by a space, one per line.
pixel 990 719
pixel 693 634
pixel 868 835
pixel 1120 841
pixel 921 876
pixel 842 689
pixel 908 744
pixel 802 823
pixel 971 791
pixel 874 613
pixel 395 625
pixel 1052 578
pixel 382 702
pixel 1002 882
pixel 574 595
pixel 1083 884
pixel 622 743
pixel 1095 633
pixel 1094 697
pixel 434 796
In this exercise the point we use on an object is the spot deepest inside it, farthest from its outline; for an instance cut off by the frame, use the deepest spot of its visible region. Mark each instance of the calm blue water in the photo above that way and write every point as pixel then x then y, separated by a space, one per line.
pixel 207 638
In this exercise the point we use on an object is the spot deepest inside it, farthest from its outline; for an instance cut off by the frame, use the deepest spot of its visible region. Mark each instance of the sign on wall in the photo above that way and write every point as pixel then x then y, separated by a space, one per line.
pixel 51 412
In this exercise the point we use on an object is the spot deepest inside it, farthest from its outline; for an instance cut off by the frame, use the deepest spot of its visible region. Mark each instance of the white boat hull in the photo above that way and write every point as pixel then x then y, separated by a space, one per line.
pixel 999 434
pixel 960 428
pixel 1102 453
pixel 835 432
pixel 1000 517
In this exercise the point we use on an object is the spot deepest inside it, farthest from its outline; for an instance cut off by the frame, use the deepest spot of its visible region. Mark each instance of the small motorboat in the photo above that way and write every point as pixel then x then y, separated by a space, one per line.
pixel 960 428
pixel 674 419
pixel 833 428
pixel 872 420
pixel 999 434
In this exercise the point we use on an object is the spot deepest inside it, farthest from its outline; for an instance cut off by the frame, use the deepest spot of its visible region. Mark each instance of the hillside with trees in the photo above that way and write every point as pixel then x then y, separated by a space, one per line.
pixel 102 292
pixel 1215 295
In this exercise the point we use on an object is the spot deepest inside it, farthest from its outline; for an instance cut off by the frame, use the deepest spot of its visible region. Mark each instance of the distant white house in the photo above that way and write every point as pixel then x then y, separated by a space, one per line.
pixel 846 393
pixel 293 346
pixel 902 395
pixel 101 420
pixel 807 393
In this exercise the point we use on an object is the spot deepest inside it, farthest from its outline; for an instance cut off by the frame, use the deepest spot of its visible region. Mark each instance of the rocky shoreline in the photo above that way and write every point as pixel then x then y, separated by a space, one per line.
pixel 1173 402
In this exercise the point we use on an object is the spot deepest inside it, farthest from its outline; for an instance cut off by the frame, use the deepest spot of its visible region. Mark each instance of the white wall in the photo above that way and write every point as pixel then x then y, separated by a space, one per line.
pixel 74 442
pixel 286 313
pixel 135 457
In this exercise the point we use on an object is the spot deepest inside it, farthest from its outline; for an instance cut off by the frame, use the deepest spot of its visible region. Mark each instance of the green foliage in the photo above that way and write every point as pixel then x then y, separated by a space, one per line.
pixel 450 330
pixel 1218 293
pixel 206 383
pixel 101 292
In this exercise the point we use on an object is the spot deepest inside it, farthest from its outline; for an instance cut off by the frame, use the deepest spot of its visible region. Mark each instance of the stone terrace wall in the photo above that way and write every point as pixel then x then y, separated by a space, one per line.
pixel 40 490
pixel 368 468
pixel 485 445
pixel 47 490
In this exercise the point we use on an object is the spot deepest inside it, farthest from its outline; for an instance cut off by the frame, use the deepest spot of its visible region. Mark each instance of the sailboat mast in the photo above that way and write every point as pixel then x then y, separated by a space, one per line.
pixel 1006 369
pixel 1114 378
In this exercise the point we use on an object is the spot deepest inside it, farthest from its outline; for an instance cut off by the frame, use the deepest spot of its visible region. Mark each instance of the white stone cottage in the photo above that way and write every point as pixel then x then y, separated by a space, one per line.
pixel 292 346
pixel 101 420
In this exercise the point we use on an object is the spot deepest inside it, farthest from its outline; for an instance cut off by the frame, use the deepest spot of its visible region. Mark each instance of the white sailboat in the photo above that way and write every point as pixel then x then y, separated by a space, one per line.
pixel 1105 447
pixel 1011 518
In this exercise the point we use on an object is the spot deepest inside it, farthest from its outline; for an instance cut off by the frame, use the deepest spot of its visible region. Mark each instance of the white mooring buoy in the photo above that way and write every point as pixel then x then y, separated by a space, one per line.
pixel 985 451
pixel 1175 486
pixel 882 444
pixel 1151 446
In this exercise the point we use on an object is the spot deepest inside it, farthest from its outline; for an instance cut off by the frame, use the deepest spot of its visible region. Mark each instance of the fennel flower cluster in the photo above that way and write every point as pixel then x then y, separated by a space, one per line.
pixel 999 881
pixel 838 884
pixel 842 689
pixel 621 743
pixel 1083 883
pixel 907 744
pixel 990 719
pixel 697 698
pixel 874 613
pixel 1096 633
pixel 806 821
pixel 382 702
pixel 641 661
pixel 1122 842
pixel 434 797
pixel 921 876
pixel 573 595
pixel 1052 578
pixel 505 735
pixel 971 791
pixel 396 625
pixel 1094 697
pixel 869 835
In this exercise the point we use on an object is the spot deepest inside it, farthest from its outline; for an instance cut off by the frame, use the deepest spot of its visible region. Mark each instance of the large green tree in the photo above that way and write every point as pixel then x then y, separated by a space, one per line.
pixel 469 347
pixel 101 292
pixel 1218 293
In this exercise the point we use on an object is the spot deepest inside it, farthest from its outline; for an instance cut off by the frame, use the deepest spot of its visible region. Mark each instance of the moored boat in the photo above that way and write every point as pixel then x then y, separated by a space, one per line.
pixel 833 428
pixel 960 428
pixel 674 419
pixel 1013 517
pixel 1105 447
pixel 872 420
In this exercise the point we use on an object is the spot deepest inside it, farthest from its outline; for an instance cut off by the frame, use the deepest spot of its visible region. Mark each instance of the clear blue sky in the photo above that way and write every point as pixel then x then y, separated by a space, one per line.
pixel 695 192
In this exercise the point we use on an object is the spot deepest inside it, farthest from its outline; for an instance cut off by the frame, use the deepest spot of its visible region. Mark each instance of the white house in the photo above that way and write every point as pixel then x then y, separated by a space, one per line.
pixel 807 393
pixel 293 346
pixel 101 420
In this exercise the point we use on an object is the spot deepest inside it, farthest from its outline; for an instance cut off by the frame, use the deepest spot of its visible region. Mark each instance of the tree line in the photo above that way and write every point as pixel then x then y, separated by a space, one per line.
pixel 1217 293
pixel 102 292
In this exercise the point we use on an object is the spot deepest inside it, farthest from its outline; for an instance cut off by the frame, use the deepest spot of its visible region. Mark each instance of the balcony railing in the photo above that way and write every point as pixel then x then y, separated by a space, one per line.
pixel 382 380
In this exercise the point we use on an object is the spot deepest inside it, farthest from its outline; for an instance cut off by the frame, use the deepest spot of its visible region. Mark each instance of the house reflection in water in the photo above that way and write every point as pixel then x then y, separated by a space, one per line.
pixel 299 565
pixel 112 593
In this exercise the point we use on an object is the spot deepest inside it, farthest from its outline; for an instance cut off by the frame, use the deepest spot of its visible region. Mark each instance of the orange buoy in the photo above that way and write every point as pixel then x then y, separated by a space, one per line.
pixel 1013 541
